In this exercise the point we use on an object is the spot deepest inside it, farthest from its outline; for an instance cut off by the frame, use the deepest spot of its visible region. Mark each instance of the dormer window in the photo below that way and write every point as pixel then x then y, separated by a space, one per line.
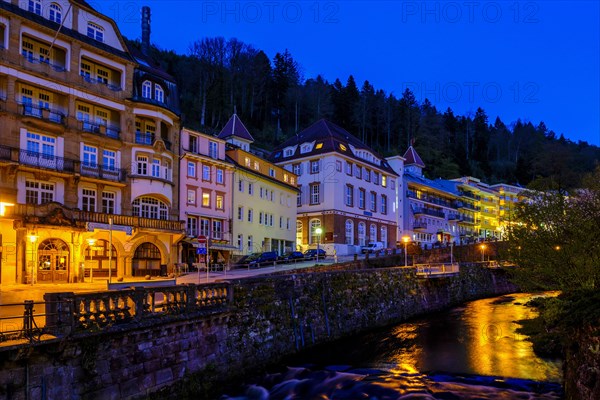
pixel 55 13
pixel 95 31
pixel 159 94
pixel 35 6
pixel 288 152
pixel 305 148
pixel 147 90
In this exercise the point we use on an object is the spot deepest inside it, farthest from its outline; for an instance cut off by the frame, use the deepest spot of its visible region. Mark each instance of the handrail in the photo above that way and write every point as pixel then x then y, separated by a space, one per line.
pixel 45 113
pixel 433 269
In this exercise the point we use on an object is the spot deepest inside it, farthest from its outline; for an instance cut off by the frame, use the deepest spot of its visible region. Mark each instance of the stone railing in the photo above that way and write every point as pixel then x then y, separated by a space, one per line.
pixel 70 313
pixel 437 270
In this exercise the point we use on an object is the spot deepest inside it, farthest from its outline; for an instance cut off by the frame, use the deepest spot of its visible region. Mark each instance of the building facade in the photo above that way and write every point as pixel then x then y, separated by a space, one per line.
pixel 88 148
pixel 206 196
pixel 345 188
pixel 264 197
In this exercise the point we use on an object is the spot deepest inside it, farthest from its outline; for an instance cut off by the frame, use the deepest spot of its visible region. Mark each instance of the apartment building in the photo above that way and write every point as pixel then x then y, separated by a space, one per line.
pixel 346 189
pixel 264 197
pixel 206 181
pixel 88 147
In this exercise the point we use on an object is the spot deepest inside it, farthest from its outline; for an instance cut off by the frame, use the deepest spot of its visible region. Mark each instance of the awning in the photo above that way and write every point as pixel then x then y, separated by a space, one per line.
pixel 226 247
pixel 190 241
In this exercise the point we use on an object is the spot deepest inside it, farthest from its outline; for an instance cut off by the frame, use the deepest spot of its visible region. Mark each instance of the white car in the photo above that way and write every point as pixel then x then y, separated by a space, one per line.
pixel 371 247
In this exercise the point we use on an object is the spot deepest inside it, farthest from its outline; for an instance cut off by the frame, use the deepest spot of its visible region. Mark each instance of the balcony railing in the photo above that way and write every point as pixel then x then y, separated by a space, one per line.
pixel 470 195
pixel 112 86
pixel 453 217
pixel 428 211
pixel 468 206
pixel 112 131
pixel 103 172
pixel 54 66
pixel 467 220
pixel 420 225
pixel 46 161
pixel 430 199
pixel 144 138
pixel 44 113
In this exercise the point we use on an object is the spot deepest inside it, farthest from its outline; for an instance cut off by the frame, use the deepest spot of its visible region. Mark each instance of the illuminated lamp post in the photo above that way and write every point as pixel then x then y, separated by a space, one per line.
pixel 32 238
pixel 482 252
pixel 91 242
pixel 406 239
pixel 318 232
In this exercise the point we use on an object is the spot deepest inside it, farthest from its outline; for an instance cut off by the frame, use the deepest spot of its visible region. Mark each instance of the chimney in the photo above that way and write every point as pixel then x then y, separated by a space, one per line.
pixel 145 30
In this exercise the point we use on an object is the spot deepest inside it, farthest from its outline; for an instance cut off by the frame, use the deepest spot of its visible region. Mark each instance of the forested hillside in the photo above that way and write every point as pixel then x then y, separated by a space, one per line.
pixel 275 100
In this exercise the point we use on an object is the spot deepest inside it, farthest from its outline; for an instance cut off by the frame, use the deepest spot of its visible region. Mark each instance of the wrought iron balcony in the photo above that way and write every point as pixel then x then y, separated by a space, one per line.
pixel 103 172
pixel 111 131
pixel 429 211
pixel 44 113
pixel 46 161
pixel 144 138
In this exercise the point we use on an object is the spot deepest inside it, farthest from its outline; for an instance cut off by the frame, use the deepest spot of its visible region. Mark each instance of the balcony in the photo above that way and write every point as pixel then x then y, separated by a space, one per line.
pixel 114 87
pixel 47 214
pixel 430 212
pixel 466 220
pixel 453 217
pixel 420 226
pixel 46 161
pixel 44 65
pixel 111 131
pixel 430 199
pixel 467 206
pixel 103 172
pixel 144 138
pixel 43 113
pixel 470 195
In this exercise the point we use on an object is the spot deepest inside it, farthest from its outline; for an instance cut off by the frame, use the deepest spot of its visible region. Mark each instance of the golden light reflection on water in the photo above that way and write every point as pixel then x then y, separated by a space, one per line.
pixel 478 339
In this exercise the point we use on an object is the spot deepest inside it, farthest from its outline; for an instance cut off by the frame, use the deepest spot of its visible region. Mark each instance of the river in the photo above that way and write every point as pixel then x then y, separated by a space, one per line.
pixel 468 352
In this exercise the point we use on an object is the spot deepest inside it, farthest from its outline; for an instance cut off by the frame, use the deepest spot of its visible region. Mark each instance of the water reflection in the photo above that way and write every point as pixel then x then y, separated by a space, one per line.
pixel 467 352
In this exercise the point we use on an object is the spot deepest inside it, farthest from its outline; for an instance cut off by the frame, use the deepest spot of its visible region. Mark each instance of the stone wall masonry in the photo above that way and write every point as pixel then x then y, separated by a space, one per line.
pixel 266 319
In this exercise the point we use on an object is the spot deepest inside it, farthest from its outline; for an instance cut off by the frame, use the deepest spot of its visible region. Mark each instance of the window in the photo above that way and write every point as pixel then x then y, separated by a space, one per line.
pixel 35 6
pixel 361 198
pixel 95 31
pixel 338 166
pixel 373 233
pixel 250 243
pixel 193 144
pixel 206 173
pixel 305 148
pixel 348 168
pixel 349 232
pixel 271 220
pixel 362 230
pixel 272 173
pixel 217 229
pixel 383 180
pixel 314 167
pixel 383 235
pixel 149 207
pixel 314 224
pixel 357 171
pixel 213 150
pixel 288 152
pixel 376 178
pixel 41 145
pixel 393 184
pixel 159 94
pixel 250 189
pixel 247 162
pixel 286 178
pixel 240 242
pixel 349 195
pixel 299 197
pixel 156 168
pixel 261 192
pixel 142 165
pixel 205 199
pixel 297 169
pixel 220 204
pixel 287 224
pixel 205 227
pixel 108 202
pixel 260 218
pixel 240 215
pixel 219 176
pixel 367 175
pixel 373 201
pixel 250 215
pixel 147 90
pixel 299 227
pixel 192 226
pixel 90 156
pixel 240 185
pixel 315 193
pixel 38 192
pixel 109 160
pixel 191 196
pixel 98 73
pixel 383 204
pixel 55 13
pixel 256 165
pixel 191 169
pixel 88 200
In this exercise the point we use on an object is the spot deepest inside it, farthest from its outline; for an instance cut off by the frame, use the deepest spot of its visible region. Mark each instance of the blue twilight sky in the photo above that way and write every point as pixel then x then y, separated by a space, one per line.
pixel 534 60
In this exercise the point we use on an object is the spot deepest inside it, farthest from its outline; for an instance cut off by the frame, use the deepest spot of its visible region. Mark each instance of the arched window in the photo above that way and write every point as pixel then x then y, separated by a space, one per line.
pixel 55 13
pixel 35 6
pixel 299 228
pixel 147 90
pixel 53 261
pixel 314 224
pixel 149 207
pixel 349 232
pixel 146 260
pixel 383 236
pixel 95 31
pixel 362 234
pixel 159 94
pixel 373 233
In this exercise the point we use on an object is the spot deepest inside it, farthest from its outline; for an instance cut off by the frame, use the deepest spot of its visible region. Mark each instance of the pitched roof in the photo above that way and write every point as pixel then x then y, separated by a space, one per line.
pixel 235 127
pixel 412 158
pixel 332 138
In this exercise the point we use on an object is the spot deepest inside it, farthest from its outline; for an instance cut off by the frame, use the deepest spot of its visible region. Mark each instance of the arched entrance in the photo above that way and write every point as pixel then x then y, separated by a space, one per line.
pixel 97 257
pixel 53 261
pixel 146 260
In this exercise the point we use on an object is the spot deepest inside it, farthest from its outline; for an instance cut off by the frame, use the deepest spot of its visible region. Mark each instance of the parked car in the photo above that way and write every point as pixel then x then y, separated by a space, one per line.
pixel 371 247
pixel 257 259
pixel 311 254
pixel 292 256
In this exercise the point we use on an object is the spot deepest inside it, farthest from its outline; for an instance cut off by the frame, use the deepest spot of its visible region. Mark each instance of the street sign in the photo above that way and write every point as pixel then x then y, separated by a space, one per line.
pixel 202 245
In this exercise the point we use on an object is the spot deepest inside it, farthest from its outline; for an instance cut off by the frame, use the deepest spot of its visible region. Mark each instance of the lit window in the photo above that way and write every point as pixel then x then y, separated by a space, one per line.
pixel 349 232
pixel 219 202
pixel 342 147
pixel 247 162
pixel 383 180
pixel 95 31
pixel 205 199
pixel 256 165
pixel 147 89
pixel 55 13
pixel 319 146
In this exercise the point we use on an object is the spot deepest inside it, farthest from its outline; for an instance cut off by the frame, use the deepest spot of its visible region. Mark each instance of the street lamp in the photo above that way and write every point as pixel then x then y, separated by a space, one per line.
pixel 406 239
pixel 482 252
pixel 32 239
pixel 91 242
pixel 318 232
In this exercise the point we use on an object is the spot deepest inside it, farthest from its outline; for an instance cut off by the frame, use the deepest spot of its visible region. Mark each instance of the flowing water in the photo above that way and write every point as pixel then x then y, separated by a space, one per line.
pixel 469 352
